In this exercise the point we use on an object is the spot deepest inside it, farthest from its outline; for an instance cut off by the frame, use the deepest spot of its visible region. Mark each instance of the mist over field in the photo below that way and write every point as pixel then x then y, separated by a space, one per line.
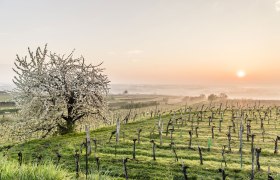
pixel 250 92
pixel 234 92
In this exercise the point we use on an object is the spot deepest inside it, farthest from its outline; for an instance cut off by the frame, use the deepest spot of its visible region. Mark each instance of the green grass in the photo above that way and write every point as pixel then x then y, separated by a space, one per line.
pixel 5 96
pixel 10 170
pixel 8 110
pixel 164 167
pixel 47 171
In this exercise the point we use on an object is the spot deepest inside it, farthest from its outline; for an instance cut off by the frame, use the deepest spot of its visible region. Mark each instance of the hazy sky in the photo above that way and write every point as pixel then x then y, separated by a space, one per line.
pixel 151 41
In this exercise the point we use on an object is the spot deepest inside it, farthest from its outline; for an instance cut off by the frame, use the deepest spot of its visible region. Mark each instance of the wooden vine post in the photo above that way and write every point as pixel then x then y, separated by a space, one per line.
pixel 200 155
pixel 134 147
pixel 154 149
pixel 241 141
pixel 88 148
pixel 77 164
pixel 20 158
pixel 125 168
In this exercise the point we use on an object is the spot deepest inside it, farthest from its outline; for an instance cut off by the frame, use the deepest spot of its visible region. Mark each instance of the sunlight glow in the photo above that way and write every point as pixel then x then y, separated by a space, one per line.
pixel 240 73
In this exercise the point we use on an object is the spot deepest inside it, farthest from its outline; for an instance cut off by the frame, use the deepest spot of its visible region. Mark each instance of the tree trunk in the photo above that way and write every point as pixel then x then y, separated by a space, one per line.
pixel 69 127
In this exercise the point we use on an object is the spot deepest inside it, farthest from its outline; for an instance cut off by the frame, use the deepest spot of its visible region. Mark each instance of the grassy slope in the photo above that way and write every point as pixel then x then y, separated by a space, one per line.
pixel 45 171
pixel 165 166
pixel 11 170
pixel 5 97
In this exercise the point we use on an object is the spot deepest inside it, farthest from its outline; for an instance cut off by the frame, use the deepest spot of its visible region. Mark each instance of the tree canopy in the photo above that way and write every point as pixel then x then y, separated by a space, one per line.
pixel 55 91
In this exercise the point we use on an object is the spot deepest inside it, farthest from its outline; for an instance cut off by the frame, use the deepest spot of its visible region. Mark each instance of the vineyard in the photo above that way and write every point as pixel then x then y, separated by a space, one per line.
pixel 140 90
pixel 212 140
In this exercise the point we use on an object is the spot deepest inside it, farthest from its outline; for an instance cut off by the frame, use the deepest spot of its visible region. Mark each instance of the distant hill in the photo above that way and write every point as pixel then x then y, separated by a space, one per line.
pixel 5 97
pixel 6 87
pixel 3 92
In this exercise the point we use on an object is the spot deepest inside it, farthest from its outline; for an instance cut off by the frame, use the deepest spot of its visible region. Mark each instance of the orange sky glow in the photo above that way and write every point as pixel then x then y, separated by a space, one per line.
pixel 152 42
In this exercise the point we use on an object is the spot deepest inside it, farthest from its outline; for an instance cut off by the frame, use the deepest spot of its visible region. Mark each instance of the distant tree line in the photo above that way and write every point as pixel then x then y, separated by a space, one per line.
pixel 3 92
pixel 5 104
pixel 139 105
pixel 221 96
pixel 195 98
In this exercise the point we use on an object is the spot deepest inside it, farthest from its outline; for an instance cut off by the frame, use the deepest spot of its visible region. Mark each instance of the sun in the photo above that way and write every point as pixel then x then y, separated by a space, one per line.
pixel 240 73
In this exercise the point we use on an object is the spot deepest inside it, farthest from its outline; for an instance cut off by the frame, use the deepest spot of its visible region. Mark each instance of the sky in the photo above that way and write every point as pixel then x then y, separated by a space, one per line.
pixel 151 41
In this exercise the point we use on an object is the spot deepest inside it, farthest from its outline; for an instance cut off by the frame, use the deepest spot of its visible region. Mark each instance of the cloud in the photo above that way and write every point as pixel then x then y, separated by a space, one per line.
pixel 136 51
pixel 277 6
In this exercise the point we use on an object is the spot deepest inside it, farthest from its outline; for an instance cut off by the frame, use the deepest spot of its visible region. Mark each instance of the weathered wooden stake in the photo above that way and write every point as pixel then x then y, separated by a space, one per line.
pixel 139 131
pixel 253 156
pixel 200 155
pixel 88 148
pixel 229 139
pixel 212 130
pixel 118 131
pixel 229 129
pixel 233 126
pixel 134 146
pixel 219 112
pixel 223 155
pixel 125 168
pixel 112 134
pixel 39 159
pixel 190 142
pixel 172 145
pixel 184 169
pixel 241 142
pixel 154 149
pixel 97 159
pixel 269 174
pixel 58 155
pixel 276 144
pixel 171 134
pixel 169 123
pixel 252 142
pixel 86 157
pixel 209 120
pixel 196 132
pixel 220 125
pixel 20 158
pixel 248 131
pixel 258 152
pixel 224 175
pixel 77 159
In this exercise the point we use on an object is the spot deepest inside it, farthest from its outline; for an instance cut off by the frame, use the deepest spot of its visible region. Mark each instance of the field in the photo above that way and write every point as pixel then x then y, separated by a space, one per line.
pixel 175 149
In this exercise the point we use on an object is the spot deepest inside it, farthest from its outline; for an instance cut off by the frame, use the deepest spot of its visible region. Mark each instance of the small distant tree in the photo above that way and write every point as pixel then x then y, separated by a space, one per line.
pixel 165 100
pixel 212 97
pixel 125 92
pixel 54 92
pixel 202 96
pixel 223 96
